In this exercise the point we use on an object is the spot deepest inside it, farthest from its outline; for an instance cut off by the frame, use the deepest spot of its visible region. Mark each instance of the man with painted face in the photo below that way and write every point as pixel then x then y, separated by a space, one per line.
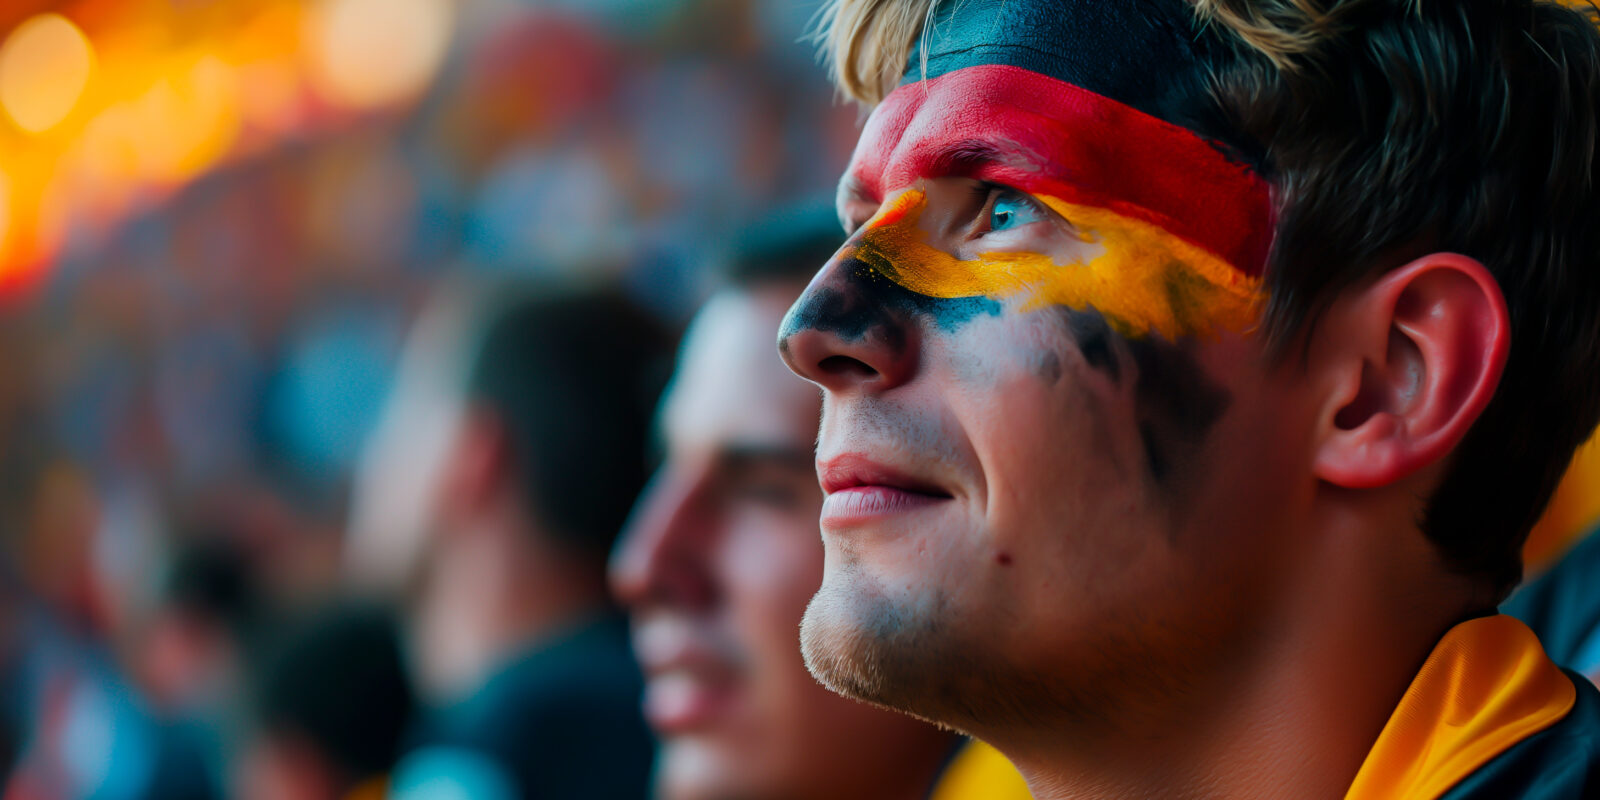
pixel 1192 374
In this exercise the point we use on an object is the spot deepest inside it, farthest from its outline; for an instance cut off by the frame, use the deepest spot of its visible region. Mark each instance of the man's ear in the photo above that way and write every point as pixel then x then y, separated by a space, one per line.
pixel 1413 359
pixel 476 467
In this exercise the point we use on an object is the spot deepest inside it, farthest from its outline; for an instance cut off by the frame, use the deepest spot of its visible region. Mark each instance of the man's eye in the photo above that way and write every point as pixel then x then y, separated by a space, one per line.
pixel 768 493
pixel 1013 210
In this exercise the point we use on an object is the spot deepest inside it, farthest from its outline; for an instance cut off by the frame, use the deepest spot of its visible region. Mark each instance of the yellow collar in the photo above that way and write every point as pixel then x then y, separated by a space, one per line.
pixel 1486 686
pixel 979 772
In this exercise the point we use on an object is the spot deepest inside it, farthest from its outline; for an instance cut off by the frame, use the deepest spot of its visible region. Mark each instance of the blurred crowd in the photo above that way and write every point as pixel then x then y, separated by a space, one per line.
pixel 192 361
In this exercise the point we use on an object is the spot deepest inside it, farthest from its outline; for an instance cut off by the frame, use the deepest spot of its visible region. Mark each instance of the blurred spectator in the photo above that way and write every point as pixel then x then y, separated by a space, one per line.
pixel 724 553
pixel 208 260
pixel 188 658
pixel 506 459
pixel 329 708
pixel 91 728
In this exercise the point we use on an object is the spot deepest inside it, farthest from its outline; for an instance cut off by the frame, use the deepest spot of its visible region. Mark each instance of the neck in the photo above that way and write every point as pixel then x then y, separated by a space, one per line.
pixel 490 594
pixel 907 768
pixel 1290 712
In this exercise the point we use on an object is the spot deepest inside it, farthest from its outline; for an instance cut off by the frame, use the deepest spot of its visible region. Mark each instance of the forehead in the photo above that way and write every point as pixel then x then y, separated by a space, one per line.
pixel 730 386
pixel 1014 126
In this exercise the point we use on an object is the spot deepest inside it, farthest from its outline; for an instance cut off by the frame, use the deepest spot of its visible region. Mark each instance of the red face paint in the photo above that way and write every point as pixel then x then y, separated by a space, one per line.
pixel 1047 137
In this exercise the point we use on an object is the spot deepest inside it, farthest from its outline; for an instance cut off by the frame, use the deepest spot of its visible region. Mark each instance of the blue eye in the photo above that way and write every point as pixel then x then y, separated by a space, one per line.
pixel 1013 210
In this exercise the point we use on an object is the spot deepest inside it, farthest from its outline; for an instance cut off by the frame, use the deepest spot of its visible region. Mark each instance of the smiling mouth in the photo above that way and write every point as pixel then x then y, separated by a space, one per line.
pixel 860 490
pixel 693 675
pixel 681 701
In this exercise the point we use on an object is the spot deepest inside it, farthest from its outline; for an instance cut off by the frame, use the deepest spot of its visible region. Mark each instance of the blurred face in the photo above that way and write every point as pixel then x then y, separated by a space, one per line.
pixel 1051 451
pixel 717 566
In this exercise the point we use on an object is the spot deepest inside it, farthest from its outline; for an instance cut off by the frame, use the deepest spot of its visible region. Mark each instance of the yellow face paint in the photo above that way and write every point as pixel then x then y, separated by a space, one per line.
pixel 1145 281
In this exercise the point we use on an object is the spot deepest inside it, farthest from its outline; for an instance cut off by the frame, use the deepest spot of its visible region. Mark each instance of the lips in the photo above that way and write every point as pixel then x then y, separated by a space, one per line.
pixel 860 490
pixel 679 702
pixel 690 683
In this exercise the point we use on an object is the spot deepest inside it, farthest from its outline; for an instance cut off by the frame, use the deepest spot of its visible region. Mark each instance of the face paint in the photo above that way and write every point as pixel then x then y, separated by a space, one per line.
pixel 1101 112
pixel 1144 281
pixel 1021 129
pixel 868 305
pixel 1176 402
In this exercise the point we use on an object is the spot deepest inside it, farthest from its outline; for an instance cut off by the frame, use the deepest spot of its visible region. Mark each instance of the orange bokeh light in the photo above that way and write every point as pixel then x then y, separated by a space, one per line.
pixel 44 67
pixel 154 96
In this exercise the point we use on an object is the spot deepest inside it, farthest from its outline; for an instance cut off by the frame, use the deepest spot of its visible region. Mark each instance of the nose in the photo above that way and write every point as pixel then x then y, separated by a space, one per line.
pixel 661 558
pixel 850 330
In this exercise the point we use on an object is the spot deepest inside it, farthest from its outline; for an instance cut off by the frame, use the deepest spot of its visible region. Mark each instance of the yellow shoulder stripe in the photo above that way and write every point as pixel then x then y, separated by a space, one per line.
pixel 1486 686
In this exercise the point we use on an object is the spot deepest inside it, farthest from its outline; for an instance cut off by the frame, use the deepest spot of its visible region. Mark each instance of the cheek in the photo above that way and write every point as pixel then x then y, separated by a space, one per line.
pixel 773 567
pixel 1032 389
pixel 1259 454
pixel 1056 436
pixel 991 355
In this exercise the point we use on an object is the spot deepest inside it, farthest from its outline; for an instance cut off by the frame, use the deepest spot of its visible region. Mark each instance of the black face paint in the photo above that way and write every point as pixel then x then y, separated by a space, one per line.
pixel 1093 335
pixel 1176 404
pixel 864 303
pixel 1048 367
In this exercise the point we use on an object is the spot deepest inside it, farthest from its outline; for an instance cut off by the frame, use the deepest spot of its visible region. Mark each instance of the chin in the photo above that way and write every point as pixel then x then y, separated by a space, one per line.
pixel 838 654
pixel 691 769
pixel 699 769
pixel 895 653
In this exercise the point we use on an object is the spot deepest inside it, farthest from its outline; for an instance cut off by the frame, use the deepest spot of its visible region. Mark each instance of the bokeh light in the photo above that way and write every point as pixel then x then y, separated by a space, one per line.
pixel 372 53
pixel 187 122
pixel 44 67
pixel 5 216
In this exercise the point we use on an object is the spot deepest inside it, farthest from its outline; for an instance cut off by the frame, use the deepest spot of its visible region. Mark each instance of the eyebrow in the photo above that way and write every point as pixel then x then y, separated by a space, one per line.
pixel 963 159
pixel 745 455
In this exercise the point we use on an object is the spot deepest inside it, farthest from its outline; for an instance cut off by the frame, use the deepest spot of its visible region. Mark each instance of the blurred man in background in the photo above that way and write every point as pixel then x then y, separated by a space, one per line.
pixel 723 553
pixel 506 460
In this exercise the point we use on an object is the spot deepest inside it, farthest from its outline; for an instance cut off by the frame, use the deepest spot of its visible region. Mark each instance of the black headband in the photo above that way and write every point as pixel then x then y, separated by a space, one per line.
pixel 1150 55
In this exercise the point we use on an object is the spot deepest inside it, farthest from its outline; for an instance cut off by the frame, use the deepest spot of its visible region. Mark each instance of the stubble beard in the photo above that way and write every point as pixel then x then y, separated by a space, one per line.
pixel 860 643
pixel 911 655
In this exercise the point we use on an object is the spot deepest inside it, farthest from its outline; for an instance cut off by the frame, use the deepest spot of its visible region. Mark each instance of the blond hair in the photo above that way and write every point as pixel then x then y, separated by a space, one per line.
pixel 865 43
